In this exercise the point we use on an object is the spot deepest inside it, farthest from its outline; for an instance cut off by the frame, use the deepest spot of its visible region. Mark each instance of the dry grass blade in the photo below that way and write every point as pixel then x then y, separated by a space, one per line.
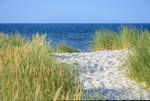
pixel 57 94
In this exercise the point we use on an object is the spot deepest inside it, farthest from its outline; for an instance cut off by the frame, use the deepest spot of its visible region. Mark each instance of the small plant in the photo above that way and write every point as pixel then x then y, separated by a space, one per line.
pixel 63 48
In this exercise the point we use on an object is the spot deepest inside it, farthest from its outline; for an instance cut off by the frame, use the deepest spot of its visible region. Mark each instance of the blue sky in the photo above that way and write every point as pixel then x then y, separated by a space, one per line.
pixel 74 11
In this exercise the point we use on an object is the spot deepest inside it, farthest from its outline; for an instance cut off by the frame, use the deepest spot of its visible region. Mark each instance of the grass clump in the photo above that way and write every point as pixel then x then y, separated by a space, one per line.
pixel 63 48
pixel 15 40
pixel 108 40
pixel 129 37
pixel 139 61
pixel 29 72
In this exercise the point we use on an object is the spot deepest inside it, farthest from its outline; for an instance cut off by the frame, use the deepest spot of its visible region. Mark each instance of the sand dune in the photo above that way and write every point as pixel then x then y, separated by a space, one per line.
pixel 103 73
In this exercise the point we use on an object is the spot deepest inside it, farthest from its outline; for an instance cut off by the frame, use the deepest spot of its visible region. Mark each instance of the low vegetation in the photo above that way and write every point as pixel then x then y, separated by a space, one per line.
pixel 139 61
pixel 138 42
pixel 63 48
pixel 108 40
pixel 129 37
pixel 29 72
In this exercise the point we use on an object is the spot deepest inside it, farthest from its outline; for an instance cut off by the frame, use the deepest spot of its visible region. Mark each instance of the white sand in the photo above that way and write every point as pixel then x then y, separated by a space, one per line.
pixel 103 72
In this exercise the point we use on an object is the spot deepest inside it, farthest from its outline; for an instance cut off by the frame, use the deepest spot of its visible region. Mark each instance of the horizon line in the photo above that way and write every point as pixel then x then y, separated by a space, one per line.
pixel 75 23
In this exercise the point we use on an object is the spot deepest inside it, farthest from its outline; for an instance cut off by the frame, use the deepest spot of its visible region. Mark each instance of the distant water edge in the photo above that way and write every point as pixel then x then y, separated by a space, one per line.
pixel 76 35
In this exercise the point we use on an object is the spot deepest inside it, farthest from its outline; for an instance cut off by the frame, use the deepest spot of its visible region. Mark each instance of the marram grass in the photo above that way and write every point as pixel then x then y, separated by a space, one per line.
pixel 62 48
pixel 139 61
pixel 29 72
pixel 129 37
pixel 108 40
pixel 137 42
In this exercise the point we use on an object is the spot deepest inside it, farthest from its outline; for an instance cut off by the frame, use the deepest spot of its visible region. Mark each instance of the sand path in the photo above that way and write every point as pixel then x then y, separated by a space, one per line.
pixel 102 73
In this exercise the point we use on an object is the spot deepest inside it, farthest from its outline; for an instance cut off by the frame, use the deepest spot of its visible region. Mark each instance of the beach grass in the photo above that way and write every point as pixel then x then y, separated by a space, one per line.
pixel 63 48
pixel 108 40
pixel 29 72
pixel 129 37
pixel 137 42
pixel 139 60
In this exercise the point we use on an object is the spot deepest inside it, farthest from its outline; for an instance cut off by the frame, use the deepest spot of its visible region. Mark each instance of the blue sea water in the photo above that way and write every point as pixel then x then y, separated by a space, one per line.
pixel 79 36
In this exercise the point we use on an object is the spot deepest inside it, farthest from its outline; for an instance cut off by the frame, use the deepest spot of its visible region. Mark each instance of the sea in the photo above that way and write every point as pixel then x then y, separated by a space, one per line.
pixel 76 35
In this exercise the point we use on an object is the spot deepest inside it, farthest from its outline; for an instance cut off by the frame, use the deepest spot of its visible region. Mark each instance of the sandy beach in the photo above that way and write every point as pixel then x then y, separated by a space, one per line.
pixel 103 73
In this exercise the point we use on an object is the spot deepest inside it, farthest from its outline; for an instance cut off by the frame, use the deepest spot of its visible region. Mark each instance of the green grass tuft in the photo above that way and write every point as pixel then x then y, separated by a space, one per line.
pixel 106 40
pixel 63 48
pixel 129 37
pixel 139 61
